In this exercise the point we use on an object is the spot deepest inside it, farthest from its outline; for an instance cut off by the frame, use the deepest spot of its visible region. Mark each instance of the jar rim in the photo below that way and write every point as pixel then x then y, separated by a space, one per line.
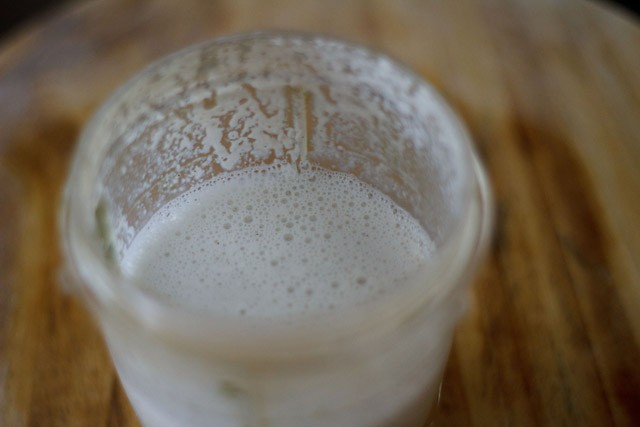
pixel 109 292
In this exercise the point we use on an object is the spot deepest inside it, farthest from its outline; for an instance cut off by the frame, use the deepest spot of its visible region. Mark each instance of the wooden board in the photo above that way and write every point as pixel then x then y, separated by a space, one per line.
pixel 551 93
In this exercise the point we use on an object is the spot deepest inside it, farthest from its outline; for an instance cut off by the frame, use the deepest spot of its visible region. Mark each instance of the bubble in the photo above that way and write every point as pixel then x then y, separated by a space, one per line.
pixel 321 248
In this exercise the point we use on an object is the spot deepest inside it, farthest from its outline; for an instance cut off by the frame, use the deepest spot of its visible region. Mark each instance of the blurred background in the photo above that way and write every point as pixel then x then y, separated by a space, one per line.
pixel 14 13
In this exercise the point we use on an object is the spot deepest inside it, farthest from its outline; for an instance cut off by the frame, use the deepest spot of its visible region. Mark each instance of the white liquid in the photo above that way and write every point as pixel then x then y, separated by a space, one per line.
pixel 277 243
pixel 280 244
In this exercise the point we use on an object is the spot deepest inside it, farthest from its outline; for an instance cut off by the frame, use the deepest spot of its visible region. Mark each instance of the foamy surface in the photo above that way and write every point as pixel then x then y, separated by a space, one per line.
pixel 275 242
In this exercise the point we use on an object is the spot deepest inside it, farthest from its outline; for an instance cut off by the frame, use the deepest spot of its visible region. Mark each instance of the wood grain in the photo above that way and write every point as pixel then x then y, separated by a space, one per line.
pixel 551 92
